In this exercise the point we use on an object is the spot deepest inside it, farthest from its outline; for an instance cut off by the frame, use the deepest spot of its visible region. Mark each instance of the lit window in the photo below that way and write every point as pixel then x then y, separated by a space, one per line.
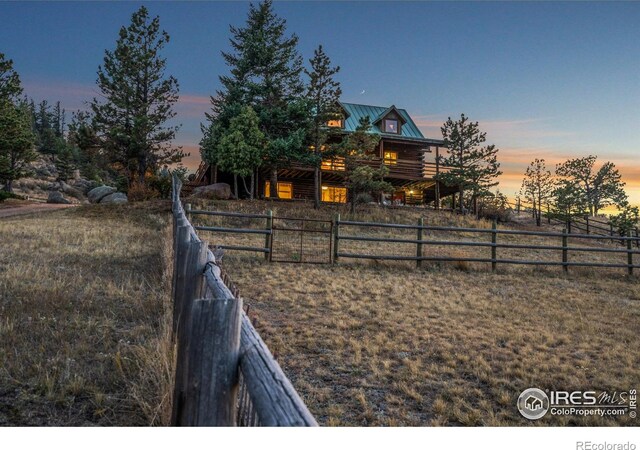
pixel 390 158
pixel 332 194
pixel 335 123
pixel 333 164
pixel 285 190
pixel 391 126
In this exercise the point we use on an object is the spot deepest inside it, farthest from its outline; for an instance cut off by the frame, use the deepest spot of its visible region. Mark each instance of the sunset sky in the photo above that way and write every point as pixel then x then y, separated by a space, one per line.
pixel 544 79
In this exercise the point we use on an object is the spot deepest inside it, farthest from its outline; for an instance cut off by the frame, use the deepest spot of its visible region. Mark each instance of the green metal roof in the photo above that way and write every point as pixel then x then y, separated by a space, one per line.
pixel 409 130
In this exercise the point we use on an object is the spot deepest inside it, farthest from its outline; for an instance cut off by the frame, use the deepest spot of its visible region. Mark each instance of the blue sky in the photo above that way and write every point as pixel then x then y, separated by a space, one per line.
pixel 544 79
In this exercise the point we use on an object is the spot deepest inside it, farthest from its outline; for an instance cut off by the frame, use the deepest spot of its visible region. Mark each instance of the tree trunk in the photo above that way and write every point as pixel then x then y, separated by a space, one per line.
pixel 8 186
pixel 248 189
pixel 252 185
pixel 461 202
pixel 273 189
pixel 235 186
pixel 316 186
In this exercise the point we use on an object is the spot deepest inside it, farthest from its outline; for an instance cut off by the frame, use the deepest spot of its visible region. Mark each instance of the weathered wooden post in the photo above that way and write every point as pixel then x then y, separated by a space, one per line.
pixel 336 237
pixel 565 252
pixel 494 249
pixel 629 253
pixel 419 243
pixel 268 238
pixel 637 238
pixel 191 274
pixel 212 382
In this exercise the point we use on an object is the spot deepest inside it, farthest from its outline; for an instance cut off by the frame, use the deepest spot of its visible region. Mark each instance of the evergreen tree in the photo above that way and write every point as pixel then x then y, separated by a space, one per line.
pixel 265 70
pixel 16 142
pixel 473 167
pixel 568 201
pixel 324 94
pixel 10 88
pixel 355 149
pixel 139 100
pixel 241 148
pixel 537 186
pixel 83 138
pixel 600 188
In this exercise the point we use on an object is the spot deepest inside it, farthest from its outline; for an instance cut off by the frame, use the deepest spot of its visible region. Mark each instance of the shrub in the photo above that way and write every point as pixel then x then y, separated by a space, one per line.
pixel 139 192
pixel 4 195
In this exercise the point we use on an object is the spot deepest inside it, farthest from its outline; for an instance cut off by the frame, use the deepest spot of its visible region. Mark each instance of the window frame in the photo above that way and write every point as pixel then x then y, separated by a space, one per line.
pixel 267 185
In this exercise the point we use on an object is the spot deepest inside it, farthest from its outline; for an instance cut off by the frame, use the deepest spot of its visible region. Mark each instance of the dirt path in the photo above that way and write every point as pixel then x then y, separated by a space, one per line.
pixel 30 208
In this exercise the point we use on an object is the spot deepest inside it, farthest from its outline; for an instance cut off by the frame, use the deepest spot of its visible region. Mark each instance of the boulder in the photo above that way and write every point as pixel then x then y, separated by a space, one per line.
pixel 57 197
pixel 97 194
pixel 114 199
pixel 217 191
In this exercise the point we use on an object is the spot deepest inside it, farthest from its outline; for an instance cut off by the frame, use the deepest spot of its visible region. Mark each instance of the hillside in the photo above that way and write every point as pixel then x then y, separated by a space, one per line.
pixel 382 343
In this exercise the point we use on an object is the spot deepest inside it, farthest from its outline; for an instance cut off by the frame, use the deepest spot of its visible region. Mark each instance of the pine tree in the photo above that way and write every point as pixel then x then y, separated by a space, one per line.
pixel 473 167
pixel 537 186
pixel 10 87
pixel 600 188
pixel 324 94
pixel 265 70
pixel 16 142
pixel 139 100
pixel 361 179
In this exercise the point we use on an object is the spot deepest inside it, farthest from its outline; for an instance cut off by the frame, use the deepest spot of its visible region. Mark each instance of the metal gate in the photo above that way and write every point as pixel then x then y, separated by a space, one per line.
pixel 301 240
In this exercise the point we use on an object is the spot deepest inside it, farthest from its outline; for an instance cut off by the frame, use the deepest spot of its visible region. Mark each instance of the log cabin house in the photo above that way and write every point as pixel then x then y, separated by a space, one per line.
pixel 410 157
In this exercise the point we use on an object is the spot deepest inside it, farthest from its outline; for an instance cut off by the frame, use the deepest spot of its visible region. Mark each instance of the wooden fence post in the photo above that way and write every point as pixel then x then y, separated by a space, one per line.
pixel 212 384
pixel 268 238
pixel 629 253
pixel 181 245
pixel 336 237
pixel 191 274
pixel 494 240
pixel 419 244
pixel 565 252
pixel 637 238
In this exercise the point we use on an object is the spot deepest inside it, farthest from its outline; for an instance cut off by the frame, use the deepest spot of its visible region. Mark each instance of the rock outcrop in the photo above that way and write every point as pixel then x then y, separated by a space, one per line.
pixel 57 197
pixel 95 195
pixel 217 191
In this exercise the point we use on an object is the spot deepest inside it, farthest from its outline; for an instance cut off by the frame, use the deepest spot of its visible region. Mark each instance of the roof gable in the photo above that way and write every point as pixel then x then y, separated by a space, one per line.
pixel 355 112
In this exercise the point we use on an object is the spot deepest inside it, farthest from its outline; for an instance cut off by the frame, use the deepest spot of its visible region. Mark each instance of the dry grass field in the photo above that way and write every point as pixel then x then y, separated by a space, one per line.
pixel 381 343
pixel 83 296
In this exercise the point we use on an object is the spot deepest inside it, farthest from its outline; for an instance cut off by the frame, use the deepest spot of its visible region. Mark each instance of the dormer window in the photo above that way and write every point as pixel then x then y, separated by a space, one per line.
pixel 391 126
pixel 335 123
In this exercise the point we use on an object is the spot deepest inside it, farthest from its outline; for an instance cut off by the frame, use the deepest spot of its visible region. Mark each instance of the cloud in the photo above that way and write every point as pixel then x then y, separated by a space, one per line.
pixel 192 106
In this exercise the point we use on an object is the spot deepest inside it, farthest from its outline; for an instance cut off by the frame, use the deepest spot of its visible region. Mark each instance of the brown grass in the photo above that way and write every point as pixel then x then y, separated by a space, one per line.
pixel 83 317
pixel 381 343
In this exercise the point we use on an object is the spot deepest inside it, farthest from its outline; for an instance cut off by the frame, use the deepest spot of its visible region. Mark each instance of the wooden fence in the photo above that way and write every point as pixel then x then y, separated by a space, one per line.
pixel 492 244
pixel 225 374
pixel 583 224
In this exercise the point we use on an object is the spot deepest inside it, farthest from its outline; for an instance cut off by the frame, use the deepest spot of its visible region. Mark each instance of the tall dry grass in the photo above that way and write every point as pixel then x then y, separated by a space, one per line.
pixel 84 298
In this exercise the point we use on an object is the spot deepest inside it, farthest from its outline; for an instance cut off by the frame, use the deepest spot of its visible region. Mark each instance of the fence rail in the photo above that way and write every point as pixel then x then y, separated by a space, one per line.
pixel 563 246
pixel 225 374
